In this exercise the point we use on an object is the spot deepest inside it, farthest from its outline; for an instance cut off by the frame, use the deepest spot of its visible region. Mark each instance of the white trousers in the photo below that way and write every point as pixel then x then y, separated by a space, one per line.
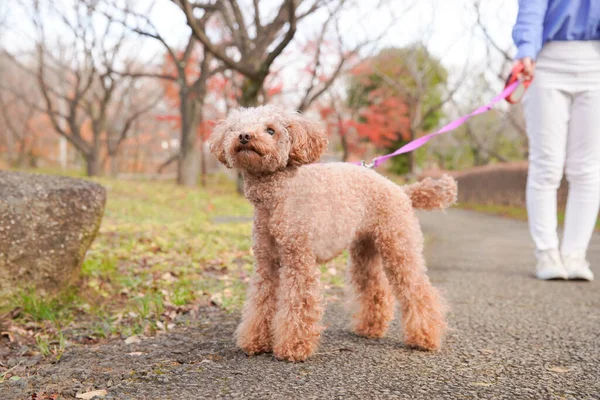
pixel 562 113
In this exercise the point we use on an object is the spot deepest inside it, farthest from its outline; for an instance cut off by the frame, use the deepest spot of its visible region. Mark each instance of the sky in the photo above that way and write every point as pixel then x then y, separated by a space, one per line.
pixel 447 27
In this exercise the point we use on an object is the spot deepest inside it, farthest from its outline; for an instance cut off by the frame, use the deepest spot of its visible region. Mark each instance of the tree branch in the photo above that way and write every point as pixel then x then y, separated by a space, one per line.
pixel 242 30
pixel 218 52
pixel 169 161
pixel 291 10
pixel 488 36
pixel 257 22
pixel 129 122
pixel 147 75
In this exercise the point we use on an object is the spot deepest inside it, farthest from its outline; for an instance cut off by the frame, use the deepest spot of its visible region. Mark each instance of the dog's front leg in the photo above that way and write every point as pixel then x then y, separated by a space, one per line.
pixel 296 327
pixel 254 334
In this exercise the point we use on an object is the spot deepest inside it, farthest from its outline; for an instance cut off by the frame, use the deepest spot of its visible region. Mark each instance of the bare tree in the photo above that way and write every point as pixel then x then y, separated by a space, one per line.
pixel 15 115
pixel 255 44
pixel 76 77
pixel 317 85
pixel 16 119
pixel 340 116
pixel 191 84
pixel 499 135
pixel 132 103
pixel 254 54
pixel 500 70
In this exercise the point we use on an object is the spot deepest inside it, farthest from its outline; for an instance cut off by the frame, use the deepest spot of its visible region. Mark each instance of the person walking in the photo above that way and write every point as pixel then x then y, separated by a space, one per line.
pixel 558 44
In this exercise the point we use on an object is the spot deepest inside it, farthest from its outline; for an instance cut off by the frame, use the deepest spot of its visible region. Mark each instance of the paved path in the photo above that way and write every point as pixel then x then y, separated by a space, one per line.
pixel 512 337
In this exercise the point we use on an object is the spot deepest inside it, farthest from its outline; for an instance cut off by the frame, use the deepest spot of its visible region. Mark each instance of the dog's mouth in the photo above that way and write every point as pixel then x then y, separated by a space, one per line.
pixel 247 150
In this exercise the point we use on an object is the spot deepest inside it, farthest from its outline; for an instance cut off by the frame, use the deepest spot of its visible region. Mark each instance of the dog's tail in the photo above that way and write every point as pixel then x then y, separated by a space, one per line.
pixel 433 194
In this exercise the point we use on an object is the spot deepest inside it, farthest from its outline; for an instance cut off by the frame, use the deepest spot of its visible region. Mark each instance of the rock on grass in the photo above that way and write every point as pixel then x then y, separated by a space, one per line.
pixel 47 223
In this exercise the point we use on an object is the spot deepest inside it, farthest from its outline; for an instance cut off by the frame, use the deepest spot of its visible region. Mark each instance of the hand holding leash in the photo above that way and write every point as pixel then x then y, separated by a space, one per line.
pixel 522 72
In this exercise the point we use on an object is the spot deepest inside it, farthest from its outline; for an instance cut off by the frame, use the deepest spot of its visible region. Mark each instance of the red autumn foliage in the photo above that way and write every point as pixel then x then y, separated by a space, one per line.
pixel 385 119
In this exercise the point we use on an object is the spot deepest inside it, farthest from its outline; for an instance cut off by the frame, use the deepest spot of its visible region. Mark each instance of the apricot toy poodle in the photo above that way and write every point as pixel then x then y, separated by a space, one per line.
pixel 307 214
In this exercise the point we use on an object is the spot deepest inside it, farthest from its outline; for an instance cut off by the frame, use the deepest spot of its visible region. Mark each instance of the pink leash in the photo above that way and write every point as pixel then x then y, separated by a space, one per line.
pixel 415 144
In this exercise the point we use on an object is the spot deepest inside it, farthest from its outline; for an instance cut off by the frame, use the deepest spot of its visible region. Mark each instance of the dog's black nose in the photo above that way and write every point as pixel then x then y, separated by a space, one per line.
pixel 245 137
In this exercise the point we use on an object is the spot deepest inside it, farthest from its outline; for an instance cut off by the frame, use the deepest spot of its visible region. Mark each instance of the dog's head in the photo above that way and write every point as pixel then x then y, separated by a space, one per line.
pixel 266 139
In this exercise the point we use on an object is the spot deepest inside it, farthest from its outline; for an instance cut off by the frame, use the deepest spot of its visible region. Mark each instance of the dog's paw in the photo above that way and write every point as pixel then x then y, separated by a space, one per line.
pixel 372 331
pixel 425 346
pixel 254 344
pixel 254 348
pixel 429 341
pixel 252 340
pixel 294 352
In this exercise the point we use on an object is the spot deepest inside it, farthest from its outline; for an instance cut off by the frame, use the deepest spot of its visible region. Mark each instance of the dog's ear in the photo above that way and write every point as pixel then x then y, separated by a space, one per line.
pixel 308 139
pixel 216 142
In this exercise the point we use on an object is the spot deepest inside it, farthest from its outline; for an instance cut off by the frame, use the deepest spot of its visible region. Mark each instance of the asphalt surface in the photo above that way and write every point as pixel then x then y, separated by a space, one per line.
pixel 512 337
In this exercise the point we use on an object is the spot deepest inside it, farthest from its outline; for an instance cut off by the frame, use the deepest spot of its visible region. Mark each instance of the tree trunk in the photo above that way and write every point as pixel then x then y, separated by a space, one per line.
pixel 19 159
pixel 62 148
pixel 114 165
pixel 202 165
pixel 250 93
pixel 441 161
pixel 187 166
pixel 240 183
pixel 411 163
pixel 344 143
pixel 93 163
pixel 249 98
pixel 411 157
pixel 93 157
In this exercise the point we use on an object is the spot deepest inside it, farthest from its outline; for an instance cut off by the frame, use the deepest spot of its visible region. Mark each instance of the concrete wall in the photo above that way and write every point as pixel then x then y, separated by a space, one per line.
pixel 499 184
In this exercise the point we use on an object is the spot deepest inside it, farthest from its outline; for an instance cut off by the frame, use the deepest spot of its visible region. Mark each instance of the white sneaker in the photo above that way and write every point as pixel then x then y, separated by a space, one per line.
pixel 549 265
pixel 578 268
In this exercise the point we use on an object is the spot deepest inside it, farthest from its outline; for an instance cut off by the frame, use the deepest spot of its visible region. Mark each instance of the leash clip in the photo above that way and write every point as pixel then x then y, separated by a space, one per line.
pixel 371 165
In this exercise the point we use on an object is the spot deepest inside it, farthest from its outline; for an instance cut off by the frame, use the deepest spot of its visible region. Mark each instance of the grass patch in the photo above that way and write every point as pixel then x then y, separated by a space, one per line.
pixel 510 212
pixel 504 211
pixel 57 310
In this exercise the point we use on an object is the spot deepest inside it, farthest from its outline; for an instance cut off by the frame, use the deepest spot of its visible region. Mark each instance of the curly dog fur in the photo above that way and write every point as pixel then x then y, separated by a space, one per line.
pixel 307 214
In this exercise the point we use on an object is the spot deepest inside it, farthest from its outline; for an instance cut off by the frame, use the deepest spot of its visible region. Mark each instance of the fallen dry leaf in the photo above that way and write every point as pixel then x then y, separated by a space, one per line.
pixel 560 370
pixel 44 396
pixel 171 314
pixel 168 277
pixel 18 330
pixel 160 325
pixel 92 394
pixel 133 340
pixel 11 337
pixel 14 313
pixel 482 384
pixel 135 353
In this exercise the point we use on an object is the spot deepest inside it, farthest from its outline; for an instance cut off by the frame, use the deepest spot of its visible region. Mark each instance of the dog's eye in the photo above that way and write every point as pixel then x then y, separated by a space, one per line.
pixel 271 131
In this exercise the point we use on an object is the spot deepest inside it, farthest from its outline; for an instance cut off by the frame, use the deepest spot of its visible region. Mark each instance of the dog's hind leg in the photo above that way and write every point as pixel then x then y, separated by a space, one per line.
pixel 254 334
pixel 296 328
pixel 400 242
pixel 371 297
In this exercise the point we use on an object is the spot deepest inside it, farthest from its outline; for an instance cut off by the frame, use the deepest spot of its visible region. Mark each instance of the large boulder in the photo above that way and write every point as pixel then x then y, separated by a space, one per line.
pixel 47 223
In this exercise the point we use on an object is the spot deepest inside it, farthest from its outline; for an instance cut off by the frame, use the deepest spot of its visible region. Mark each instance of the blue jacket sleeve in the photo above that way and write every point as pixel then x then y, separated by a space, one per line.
pixel 528 30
